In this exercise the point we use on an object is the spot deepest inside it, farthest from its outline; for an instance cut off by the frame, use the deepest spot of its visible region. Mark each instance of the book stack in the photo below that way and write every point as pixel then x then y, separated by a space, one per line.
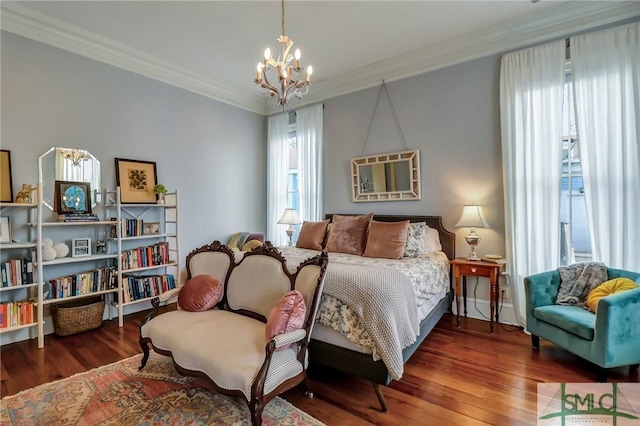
pixel 77 217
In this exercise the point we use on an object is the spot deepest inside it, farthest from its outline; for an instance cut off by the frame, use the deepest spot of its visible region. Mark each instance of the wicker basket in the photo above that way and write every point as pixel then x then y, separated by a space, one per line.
pixel 77 316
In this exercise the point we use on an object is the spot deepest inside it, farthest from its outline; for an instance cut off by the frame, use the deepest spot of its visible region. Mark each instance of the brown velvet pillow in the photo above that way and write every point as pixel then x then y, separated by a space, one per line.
pixel 312 235
pixel 349 234
pixel 386 239
pixel 200 293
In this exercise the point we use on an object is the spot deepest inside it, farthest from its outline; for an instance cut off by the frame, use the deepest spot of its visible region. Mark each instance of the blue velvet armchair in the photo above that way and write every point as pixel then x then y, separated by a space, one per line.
pixel 610 338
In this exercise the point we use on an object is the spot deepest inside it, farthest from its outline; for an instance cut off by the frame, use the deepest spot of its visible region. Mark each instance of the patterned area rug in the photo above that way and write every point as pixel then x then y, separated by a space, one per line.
pixel 119 394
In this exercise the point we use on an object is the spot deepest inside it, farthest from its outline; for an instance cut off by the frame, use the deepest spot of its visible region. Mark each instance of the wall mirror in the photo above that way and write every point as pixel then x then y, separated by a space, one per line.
pixel 386 177
pixel 71 165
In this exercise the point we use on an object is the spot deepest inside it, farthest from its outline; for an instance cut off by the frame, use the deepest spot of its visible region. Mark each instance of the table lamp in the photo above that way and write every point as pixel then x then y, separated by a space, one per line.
pixel 472 217
pixel 290 217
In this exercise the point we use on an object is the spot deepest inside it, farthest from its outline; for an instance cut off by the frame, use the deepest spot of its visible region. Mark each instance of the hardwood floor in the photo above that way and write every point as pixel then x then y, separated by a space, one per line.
pixel 459 376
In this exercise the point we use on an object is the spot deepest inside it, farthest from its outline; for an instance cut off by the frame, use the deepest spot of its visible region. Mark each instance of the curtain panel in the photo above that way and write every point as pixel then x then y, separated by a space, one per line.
pixel 606 79
pixel 277 173
pixel 531 96
pixel 309 125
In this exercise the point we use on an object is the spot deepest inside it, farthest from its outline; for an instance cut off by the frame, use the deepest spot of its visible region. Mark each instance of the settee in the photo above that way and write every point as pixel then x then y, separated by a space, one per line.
pixel 608 338
pixel 235 344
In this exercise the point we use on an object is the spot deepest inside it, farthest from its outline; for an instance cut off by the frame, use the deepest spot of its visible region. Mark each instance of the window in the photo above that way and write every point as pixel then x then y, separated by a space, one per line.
pixel 575 244
pixel 293 192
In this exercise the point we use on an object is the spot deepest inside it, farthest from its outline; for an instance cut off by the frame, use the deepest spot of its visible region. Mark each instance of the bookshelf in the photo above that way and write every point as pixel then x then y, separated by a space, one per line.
pixel 147 237
pixel 18 284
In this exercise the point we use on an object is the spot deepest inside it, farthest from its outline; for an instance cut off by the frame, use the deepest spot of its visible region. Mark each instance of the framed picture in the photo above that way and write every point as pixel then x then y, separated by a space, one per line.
pixel 80 247
pixel 5 230
pixel 72 197
pixel 136 180
pixel 150 228
pixel 6 185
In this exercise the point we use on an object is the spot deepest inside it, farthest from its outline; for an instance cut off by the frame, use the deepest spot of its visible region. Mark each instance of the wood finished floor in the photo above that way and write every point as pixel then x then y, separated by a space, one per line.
pixel 459 376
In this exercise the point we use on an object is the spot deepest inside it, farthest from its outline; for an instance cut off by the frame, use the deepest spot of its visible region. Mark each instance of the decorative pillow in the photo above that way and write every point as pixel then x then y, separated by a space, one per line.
pixel 312 235
pixel 349 234
pixel 386 239
pixel 416 236
pixel 200 293
pixel 431 241
pixel 251 244
pixel 287 315
pixel 607 288
pixel 237 240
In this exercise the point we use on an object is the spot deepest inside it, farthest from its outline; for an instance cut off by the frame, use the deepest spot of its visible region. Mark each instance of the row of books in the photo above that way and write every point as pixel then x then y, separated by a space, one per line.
pixel 13 314
pixel 136 288
pixel 141 257
pixel 16 272
pixel 128 227
pixel 82 283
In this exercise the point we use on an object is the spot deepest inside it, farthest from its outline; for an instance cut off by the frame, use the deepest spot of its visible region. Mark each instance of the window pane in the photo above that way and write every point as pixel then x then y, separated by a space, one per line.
pixel 575 243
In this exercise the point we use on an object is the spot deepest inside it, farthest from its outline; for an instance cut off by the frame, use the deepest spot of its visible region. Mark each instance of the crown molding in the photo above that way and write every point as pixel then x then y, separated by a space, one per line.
pixel 33 25
pixel 552 23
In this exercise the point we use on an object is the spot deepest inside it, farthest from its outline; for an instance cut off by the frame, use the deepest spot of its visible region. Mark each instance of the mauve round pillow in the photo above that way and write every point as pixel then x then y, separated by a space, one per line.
pixel 200 293
pixel 287 315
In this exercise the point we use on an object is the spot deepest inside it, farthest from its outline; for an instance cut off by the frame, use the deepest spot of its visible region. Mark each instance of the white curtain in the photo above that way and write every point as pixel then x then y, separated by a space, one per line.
pixel 309 122
pixel 531 96
pixel 277 172
pixel 606 73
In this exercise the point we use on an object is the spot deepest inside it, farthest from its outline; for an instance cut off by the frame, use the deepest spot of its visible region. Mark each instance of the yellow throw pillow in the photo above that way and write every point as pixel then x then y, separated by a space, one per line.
pixel 607 288
pixel 251 244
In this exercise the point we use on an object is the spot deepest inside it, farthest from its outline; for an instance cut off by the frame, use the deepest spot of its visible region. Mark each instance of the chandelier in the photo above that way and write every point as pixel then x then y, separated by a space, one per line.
pixel 283 78
pixel 75 155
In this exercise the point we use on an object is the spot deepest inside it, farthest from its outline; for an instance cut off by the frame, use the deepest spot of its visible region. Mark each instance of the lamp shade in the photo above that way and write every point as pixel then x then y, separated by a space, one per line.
pixel 290 217
pixel 472 217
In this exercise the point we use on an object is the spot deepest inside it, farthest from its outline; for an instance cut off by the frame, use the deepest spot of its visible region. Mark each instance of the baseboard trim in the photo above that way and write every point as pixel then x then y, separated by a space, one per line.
pixel 479 309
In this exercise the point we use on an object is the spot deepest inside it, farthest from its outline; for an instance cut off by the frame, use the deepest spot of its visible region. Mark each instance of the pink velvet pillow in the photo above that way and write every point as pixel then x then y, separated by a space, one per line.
pixel 200 293
pixel 349 234
pixel 287 315
pixel 312 235
pixel 386 239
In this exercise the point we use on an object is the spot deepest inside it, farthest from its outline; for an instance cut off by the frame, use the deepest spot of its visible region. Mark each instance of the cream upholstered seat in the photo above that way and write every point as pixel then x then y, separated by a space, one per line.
pixel 227 344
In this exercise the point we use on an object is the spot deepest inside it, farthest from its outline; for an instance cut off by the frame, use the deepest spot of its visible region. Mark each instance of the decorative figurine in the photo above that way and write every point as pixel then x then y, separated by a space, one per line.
pixel 24 196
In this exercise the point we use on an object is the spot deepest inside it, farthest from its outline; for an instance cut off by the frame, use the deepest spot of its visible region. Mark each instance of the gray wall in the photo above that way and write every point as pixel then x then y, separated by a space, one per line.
pixel 452 115
pixel 213 153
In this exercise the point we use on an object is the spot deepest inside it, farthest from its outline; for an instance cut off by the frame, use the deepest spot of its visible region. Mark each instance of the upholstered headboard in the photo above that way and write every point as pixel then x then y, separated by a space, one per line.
pixel 447 238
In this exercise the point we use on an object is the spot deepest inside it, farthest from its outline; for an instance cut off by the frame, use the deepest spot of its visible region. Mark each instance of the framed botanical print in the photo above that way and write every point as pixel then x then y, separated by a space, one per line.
pixel 136 180
pixel 6 185
pixel 72 197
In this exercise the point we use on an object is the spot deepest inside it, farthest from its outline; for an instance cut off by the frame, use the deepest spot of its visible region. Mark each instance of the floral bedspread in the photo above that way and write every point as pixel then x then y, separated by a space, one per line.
pixel 428 275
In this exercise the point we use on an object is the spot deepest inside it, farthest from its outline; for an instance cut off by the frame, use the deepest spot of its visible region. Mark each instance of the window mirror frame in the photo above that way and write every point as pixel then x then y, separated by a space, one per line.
pixel 48 175
pixel 412 193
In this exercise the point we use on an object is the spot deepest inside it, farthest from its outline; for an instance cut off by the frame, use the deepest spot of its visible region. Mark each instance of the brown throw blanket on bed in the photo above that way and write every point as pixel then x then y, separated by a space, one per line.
pixel 577 280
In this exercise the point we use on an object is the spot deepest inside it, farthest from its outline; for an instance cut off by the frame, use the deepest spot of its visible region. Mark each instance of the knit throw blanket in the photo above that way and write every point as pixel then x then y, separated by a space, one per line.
pixel 577 280
pixel 388 294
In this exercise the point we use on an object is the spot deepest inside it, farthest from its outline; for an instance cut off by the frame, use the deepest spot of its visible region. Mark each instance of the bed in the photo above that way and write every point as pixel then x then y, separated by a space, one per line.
pixel 379 356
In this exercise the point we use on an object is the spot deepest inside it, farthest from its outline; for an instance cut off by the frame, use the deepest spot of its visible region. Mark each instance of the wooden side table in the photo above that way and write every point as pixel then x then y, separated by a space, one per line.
pixel 462 268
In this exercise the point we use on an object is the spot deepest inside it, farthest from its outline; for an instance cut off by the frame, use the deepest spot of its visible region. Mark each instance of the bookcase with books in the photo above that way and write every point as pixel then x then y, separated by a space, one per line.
pixel 18 289
pixel 76 268
pixel 147 236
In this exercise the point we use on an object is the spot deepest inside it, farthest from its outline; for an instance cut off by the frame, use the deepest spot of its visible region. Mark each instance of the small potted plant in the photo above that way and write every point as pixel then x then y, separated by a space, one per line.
pixel 160 190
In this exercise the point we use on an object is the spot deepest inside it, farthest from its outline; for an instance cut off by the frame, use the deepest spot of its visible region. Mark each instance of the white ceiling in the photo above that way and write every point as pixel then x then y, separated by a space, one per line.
pixel 212 47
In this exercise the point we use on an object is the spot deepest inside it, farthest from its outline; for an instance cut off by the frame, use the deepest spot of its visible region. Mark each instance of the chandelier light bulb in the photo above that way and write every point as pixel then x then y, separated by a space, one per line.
pixel 298 54
pixel 260 67
pixel 267 53
pixel 309 70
